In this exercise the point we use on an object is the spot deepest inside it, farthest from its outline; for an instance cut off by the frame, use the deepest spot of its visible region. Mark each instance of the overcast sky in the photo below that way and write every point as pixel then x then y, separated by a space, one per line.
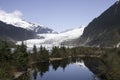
pixel 58 14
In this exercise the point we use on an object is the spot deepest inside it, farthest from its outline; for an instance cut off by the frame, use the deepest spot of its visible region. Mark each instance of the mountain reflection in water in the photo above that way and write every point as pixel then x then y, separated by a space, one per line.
pixel 67 69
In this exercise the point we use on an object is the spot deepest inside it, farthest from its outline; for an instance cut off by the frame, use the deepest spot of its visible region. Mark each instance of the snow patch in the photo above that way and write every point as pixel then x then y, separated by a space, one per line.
pixel 117 1
pixel 118 45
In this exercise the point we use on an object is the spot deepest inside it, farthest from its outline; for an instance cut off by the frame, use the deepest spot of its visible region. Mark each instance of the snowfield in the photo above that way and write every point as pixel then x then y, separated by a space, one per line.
pixel 50 40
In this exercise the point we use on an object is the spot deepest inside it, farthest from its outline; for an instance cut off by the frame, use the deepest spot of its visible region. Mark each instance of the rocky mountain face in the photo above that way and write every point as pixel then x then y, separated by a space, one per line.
pixel 104 30
pixel 42 30
pixel 12 33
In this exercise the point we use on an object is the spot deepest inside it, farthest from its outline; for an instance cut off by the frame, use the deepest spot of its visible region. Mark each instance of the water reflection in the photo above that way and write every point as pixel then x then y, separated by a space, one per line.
pixel 39 70
pixel 67 69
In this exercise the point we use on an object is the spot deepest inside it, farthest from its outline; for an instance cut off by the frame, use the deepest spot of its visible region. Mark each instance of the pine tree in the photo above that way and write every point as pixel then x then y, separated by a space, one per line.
pixel 55 52
pixel 20 57
pixel 5 52
pixel 34 49
pixel 44 54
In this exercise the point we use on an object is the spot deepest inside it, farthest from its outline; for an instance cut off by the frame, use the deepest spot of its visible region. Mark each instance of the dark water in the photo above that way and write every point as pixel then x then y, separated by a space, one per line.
pixel 69 69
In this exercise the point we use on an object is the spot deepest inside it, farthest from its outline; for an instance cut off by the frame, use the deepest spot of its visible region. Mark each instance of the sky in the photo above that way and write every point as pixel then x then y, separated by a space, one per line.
pixel 57 14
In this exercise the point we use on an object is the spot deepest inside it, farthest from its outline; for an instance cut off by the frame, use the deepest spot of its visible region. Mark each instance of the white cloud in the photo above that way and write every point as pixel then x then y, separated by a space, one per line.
pixel 14 18
pixel 14 14
pixel 11 17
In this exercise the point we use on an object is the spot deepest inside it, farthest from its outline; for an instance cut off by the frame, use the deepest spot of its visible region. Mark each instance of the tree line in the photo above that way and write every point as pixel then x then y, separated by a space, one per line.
pixel 19 59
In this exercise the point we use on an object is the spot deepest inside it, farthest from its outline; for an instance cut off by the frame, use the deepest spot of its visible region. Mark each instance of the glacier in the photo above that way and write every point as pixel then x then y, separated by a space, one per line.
pixel 45 37
pixel 49 40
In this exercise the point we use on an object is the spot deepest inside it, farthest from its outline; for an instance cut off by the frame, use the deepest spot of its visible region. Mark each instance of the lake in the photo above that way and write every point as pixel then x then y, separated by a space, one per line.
pixel 68 69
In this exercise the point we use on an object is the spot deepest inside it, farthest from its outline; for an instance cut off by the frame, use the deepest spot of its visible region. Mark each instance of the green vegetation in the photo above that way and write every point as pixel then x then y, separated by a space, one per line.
pixel 38 56
pixel 5 60
pixel 19 59
pixel 110 70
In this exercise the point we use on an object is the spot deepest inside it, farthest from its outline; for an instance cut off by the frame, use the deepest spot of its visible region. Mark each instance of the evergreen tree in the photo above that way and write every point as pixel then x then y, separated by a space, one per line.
pixel 34 49
pixel 35 56
pixel 5 52
pixel 55 52
pixel 20 57
pixel 44 54
pixel 63 52
pixel 5 61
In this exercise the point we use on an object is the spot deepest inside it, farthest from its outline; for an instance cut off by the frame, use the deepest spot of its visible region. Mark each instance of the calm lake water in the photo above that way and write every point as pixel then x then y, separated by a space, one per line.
pixel 69 69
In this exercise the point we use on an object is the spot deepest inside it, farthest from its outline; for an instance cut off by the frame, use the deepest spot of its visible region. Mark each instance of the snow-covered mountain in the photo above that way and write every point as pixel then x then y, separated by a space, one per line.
pixel 12 33
pixel 49 40
pixel 45 36
pixel 15 19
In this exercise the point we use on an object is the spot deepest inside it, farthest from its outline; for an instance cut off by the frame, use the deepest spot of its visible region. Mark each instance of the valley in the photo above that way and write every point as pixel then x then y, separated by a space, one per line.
pixel 31 51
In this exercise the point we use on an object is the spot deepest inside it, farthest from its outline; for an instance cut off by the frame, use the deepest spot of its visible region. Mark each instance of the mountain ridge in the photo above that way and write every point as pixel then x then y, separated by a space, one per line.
pixel 16 20
pixel 11 33
pixel 103 31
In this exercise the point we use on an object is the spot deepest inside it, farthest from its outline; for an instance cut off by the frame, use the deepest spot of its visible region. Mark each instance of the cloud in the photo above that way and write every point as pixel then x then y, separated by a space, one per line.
pixel 14 18
pixel 14 14
pixel 10 17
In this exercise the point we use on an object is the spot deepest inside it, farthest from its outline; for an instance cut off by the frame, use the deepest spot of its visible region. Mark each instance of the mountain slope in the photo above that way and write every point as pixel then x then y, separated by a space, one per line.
pixel 12 33
pixel 104 30
pixel 15 19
